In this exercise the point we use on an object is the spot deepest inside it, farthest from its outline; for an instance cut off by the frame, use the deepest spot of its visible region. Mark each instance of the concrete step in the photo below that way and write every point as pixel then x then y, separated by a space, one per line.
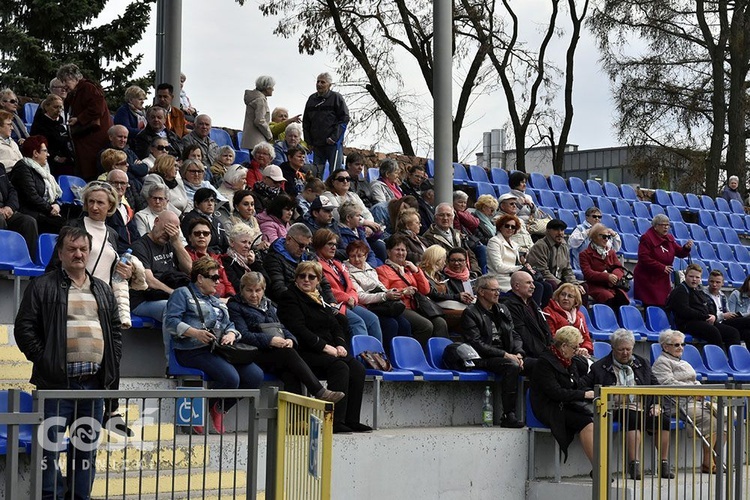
pixel 11 371
pixel 142 456
pixel 148 483
pixel 10 353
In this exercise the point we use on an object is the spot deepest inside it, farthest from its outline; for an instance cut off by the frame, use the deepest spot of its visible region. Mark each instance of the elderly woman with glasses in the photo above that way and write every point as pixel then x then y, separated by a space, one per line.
pixel 338 191
pixel 198 236
pixel 157 199
pixel 602 268
pixel 322 344
pixel 193 177
pixel 194 319
pixel 622 367
pixel 262 156
pixel 564 309
pixel 559 397
pixel 9 103
pixel 670 369
pixel 652 276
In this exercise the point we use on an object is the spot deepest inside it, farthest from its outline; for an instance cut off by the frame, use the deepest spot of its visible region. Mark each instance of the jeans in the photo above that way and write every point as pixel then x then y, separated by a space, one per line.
pixel 223 374
pixel 480 251
pixel 364 322
pixel 393 327
pixel 81 449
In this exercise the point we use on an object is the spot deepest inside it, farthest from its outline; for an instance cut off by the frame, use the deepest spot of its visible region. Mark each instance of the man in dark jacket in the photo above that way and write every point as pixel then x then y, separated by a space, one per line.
pixel 69 327
pixel 11 218
pixel 156 127
pixel 488 327
pixel 528 320
pixel 324 122
pixel 414 184
pixel 320 215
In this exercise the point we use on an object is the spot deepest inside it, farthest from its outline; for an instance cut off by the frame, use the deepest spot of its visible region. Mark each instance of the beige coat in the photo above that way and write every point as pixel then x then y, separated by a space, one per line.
pixel 257 119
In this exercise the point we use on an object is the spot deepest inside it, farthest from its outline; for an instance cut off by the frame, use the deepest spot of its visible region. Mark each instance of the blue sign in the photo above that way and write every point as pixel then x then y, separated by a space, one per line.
pixel 190 411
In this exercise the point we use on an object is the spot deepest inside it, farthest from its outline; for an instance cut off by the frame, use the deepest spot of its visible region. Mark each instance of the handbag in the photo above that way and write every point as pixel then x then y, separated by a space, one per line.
pixel 623 283
pixel 237 353
pixel 538 224
pixel 272 329
pixel 376 361
pixel 388 308
pixel 424 305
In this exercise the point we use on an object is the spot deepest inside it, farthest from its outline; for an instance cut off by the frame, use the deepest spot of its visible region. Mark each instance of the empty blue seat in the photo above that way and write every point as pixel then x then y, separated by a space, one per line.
pixel 721 219
pixel 674 214
pixel 693 201
pixel 623 208
pixel 460 176
pixel 435 348
pixel 29 110
pixel 485 188
pixel 431 169
pixel 642 225
pixel 738 223
pixel 577 186
pixel 626 226
pixel 742 254
pixel 655 351
pixel 241 156
pixel 602 349
pixel 585 202
pixel 605 205
pixel 657 319
pixel 67 184
pixel 407 354
pixel 697 232
pixel 735 274
pixel 604 318
pixel 725 253
pixel 739 358
pixel 716 360
pixel 737 207
pixel 608 221
pixel 722 205
pixel 501 189
pixel 596 334
pixel 678 200
pixel 706 218
pixel 656 210
pixel 662 198
pixel 611 190
pixel 568 218
pixel 708 203
pixel 537 181
pixel 221 137
pixel 238 146
pixel 632 320
pixel 568 202
pixel 594 188
pixel 681 231
pixel 44 248
pixel 25 431
pixel 640 209
pixel 558 184
pixel 730 236
pixel 499 176
pixel 361 343
pixel 628 192
pixel 693 357
pixel 372 174
pixel 478 173
pixel 715 235
pixel 629 248
pixel 548 199
pixel 706 251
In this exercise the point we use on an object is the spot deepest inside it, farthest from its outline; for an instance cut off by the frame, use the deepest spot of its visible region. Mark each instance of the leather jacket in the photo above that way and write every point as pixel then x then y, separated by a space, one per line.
pixel 476 326
pixel 41 326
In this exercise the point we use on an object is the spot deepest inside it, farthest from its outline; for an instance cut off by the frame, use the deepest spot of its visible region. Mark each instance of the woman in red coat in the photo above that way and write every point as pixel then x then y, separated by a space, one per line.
pixel 652 276
pixel 564 310
pixel 89 118
pixel 602 268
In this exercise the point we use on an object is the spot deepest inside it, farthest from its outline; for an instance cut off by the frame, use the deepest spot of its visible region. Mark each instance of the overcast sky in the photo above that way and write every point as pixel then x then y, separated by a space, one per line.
pixel 225 47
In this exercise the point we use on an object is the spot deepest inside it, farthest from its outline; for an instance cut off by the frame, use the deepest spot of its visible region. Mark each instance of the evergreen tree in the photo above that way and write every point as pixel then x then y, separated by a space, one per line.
pixel 39 36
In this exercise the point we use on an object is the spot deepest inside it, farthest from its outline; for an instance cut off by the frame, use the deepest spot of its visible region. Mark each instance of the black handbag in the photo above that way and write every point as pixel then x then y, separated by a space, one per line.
pixel 237 353
pixel 425 306
pixel 388 308
pixel 272 329
pixel 624 282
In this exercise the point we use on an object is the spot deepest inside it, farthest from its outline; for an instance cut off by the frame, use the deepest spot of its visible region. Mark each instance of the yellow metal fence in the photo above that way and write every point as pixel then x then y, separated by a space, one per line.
pixel 304 448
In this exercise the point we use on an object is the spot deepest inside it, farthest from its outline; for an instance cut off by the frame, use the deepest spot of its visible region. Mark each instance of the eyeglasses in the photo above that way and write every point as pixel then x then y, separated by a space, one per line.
pixel 605 236
pixel 161 148
pixel 343 179
pixel 158 198
pixel 308 277
pixel 193 171
pixel 44 150
pixel 301 245
pixel 492 290
pixel 595 216
pixel 124 162
pixel 509 226
pixel 331 244
pixel 214 277
pixel 119 183
pixel 457 261
pixel 11 101
pixel 677 344
pixel 201 234
pixel 565 295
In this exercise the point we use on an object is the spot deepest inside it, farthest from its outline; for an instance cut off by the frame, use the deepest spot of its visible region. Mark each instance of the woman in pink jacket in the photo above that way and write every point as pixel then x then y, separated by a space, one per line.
pixel 274 220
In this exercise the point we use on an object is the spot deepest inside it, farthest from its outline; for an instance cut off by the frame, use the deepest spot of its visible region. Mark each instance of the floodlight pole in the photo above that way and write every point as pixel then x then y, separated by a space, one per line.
pixel 443 101
pixel 169 45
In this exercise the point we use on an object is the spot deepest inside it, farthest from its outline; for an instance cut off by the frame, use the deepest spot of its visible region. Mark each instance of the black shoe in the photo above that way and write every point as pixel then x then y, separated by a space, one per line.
pixel 634 470
pixel 510 421
pixel 116 424
pixel 357 427
pixel 341 429
pixel 666 470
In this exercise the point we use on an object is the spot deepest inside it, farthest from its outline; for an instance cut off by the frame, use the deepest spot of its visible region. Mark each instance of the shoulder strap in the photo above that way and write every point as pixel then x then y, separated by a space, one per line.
pixel 198 306
pixel 401 276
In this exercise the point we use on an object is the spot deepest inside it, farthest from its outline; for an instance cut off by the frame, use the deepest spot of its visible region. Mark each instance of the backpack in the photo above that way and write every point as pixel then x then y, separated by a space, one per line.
pixel 458 356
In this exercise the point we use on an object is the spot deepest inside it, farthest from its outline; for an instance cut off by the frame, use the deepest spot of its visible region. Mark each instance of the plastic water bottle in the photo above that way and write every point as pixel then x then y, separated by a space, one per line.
pixel 126 258
pixel 487 411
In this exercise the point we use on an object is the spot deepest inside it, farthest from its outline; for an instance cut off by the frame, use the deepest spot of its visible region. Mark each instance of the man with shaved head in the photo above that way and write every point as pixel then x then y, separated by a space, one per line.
pixel 119 139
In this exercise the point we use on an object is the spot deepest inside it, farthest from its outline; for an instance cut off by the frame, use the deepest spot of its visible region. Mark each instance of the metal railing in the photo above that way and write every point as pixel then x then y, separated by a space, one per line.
pixel 304 447
pixel 165 456
pixel 695 429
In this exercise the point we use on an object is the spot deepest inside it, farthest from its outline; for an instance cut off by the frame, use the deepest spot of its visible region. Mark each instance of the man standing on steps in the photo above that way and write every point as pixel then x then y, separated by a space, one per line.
pixel 69 327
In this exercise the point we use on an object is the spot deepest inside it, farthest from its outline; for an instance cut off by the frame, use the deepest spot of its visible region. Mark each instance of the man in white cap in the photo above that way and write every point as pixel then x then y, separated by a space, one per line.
pixel 321 215
pixel 269 187
pixel 508 203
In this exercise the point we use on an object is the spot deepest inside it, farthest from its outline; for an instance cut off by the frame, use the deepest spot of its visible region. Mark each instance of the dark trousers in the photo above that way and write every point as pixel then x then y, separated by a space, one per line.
pixel 343 374
pixel 287 364
pixel 718 334
pixel 742 325
pixel 394 327
pixel 25 226
pixel 508 372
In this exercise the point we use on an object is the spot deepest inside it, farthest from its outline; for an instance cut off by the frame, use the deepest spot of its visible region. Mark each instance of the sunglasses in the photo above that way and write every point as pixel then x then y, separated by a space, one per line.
pixel 605 236
pixel 161 148
pixel 343 179
pixel 509 226
pixel 308 277
pixel 100 184
pixel 12 101
pixel 595 216
pixel 203 234
pixel 214 277
pixel 677 344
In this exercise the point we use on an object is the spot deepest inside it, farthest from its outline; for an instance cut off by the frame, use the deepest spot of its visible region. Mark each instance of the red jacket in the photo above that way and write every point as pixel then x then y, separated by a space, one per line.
pixel 466 221
pixel 390 279
pixel 655 253
pixel 557 318
pixel 224 287
pixel 344 292
pixel 596 270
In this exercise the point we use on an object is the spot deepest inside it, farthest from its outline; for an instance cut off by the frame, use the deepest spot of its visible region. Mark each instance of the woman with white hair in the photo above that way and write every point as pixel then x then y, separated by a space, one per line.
pixel 731 190
pixel 670 369
pixel 292 137
pixel 262 156
pixel 257 116
pixel 387 186
pixel 233 181
pixel 131 114
pixel 224 159
pixel 240 257
pixel 9 103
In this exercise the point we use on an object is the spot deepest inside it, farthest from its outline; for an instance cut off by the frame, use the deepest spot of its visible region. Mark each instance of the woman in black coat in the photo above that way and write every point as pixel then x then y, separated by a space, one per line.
pixel 49 123
pixel 322 344
pixel 557 398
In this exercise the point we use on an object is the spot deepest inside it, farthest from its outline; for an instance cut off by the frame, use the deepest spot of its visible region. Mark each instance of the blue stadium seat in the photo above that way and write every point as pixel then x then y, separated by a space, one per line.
pixel 632 320
pixel 681 231
pixel 657 319
pixel 736 221
pixel 537 181
pixel 362 343
pixel 584 202
pixel 558 184
pixel 602 349
pixel 655 351
pixel 501 189
pixel 716 360
pixel 241 156
pixel 725 252
pixel 742 254
pixel 706 218
pixel 596 334
pixel 674 214
pixel 44 248
pixel 611 191
pixel 535 425
pixel 431 167
pixel 715 235
pixel 460 176
pixel 604 318
pixel 220 136
pixel 626 226
pixel 623 208
pixel 693 201
pixel 486 188
pixel 605 205
pixel 737 207
pixel 678 200
pixel 67 183
pixel 629 248
pixel 640 209
pixel 730 236
pixel 577 186
pixel 372 174
pixel 176 370
pixel 25 431
pixel 657 209
pixel 721 219
pixel 708 203
pixel 698 233
pixel 478 174
pixel 594 188
pixel 499 176
pixel 739 358
pixel 735 274
pixel 608 221
pixel 568 218
pixel 693 357
pixel 548 199
pixel 643 225
pixel 435 348
pixel 722 205
pixel 568 202
pixel 407 354
pixel 628 192
pixel 662 198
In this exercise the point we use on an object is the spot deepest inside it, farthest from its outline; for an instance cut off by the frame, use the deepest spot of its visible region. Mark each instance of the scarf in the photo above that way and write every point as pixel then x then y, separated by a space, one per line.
pixel 315 295
pixel 170 184
pixel 51 190
pixel 218 170
pixel 242 261
pixel 265 190
pixel 625 376
pixel 395 189
pixel 140 116
pixel 603 252
pixel 562 359
pixel 571 315
pixel 463 275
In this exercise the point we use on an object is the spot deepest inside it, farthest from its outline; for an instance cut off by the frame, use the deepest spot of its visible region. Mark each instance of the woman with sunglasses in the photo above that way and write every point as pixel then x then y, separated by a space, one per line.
pixel 194 318
pixel 158 148
pixel 322 344
pixel 9 103
pixel 199 236
pixel 602 268
pixel 579 239
pixel 338 190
